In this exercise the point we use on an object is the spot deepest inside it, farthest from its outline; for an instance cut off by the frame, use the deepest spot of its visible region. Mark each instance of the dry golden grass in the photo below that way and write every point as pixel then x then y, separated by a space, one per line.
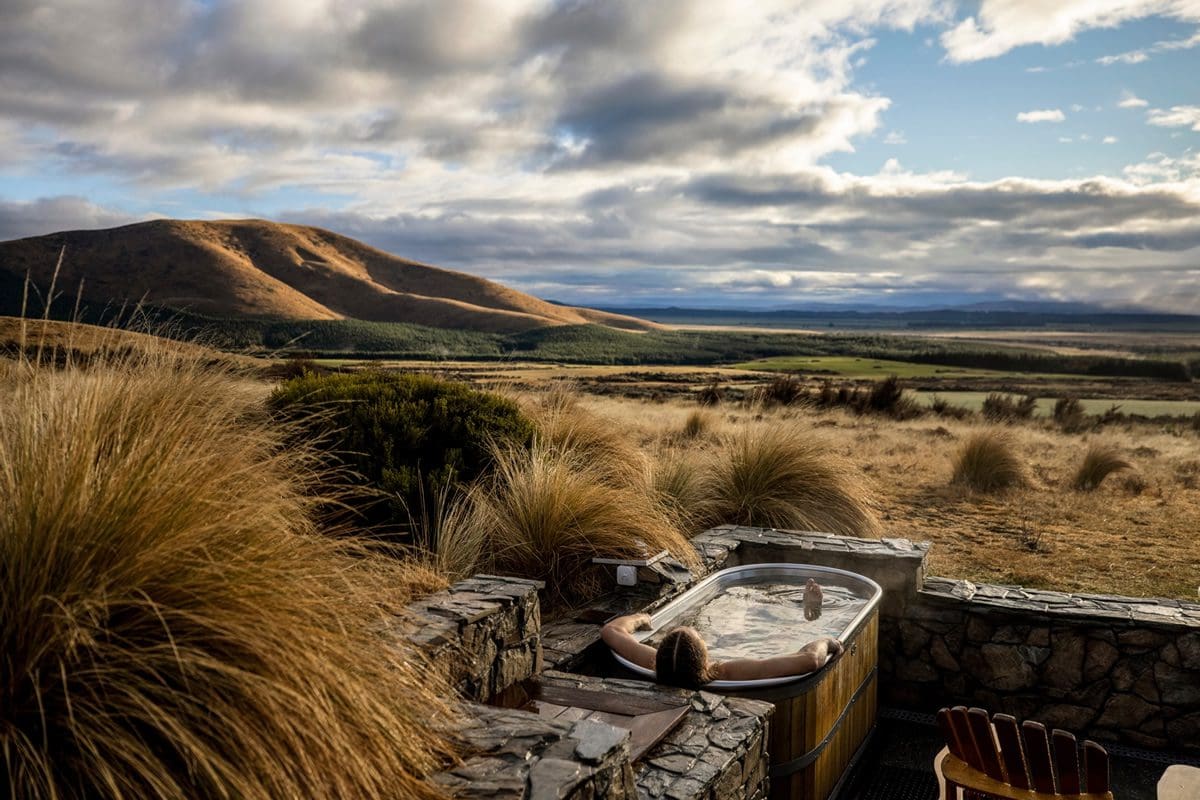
pixel 172 626
pixel 986 462
pixel 1129 537
pixel 79 343
pixel 1100 461
pixel 699 423
pixel 449 534
pixel 565 427
pixel 679 488
pixel 782 476
pixel 547 512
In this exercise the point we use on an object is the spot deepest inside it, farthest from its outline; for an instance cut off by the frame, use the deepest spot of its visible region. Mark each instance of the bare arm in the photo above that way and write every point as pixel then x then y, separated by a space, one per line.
pixel 809 658
pixel 618 635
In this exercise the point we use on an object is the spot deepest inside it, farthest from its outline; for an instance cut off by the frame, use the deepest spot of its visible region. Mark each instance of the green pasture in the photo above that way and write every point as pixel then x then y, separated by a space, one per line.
pixel 851 367
pixel 1096 406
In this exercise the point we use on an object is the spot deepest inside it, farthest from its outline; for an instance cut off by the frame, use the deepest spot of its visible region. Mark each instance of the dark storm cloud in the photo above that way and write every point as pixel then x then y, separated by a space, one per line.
pixel 1002 201
pixel 1174 241
pixel 646 117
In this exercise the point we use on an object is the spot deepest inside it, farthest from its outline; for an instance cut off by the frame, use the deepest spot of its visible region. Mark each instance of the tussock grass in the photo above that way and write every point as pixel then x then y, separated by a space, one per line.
pixel 986 462
pixel 172 626
pixel 698 423
pixel 677 481
pixel 1100 461
pixel 565 427
pixel 449 537
pixel 547 512
pixel 779 476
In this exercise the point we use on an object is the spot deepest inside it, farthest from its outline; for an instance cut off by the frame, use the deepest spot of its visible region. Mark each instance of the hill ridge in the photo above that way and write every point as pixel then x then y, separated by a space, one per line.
pixel 259 268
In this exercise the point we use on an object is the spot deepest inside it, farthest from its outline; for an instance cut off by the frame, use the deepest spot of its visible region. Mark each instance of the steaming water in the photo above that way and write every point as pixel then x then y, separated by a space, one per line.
pixel 764 620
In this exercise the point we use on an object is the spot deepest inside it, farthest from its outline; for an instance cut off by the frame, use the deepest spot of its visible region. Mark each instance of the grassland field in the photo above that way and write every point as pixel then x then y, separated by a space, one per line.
pixel 1134 535
pixel 855 367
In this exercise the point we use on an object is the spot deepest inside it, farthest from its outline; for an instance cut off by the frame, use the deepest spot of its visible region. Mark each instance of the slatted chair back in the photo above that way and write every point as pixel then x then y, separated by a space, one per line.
pixel 996 758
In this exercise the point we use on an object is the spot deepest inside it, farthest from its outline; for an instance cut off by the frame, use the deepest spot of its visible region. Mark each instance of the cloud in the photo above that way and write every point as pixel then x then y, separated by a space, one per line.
pixel 1159 167
pixel 1044 115
pixel 1175 117
pixel 1140 56
pixel 326 95
pixel 19 219
pixel 1110 140
pixel 775 238
pixel 1131 100
pixel 585 150
pixel 1001 25
pixel 895 138
pixel 1132 57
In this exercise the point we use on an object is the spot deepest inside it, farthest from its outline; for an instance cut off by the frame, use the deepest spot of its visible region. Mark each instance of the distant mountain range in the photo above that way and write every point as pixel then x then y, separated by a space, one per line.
pixel 260 269
pixel 989 314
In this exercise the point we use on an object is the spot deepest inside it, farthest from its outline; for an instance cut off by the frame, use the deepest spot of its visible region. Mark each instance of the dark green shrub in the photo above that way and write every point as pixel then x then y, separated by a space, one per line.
pixel 887 397
pixel 1003 408
pixel 711 394
pixel 944 408
pixel 403 435
pixel 827 396
pixel 1112 415
pixel 296 367
pixel 1068 413
pixel 783 390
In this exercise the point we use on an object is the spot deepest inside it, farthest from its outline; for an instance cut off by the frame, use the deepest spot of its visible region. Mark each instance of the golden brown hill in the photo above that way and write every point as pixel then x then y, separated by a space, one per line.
pixel 269 269
pixel 76 340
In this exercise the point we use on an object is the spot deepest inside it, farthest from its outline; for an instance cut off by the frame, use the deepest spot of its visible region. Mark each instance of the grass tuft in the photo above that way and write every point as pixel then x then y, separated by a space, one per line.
pixel 547 512
pixel 698 423
pixel 565 427
pixel 780 477
pixel 171 623
pixel 986 462
pixel 1098 463
pixel 677 481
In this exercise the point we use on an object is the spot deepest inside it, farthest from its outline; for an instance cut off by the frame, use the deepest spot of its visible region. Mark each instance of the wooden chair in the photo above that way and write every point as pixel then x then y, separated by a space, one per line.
pixel 997 759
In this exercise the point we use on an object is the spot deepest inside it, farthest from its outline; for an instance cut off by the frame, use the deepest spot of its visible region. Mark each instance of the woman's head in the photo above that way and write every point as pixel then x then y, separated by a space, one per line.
pixel 682 659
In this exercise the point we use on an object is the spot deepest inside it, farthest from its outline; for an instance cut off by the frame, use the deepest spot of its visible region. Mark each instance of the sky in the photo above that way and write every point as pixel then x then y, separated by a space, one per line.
pixel 703 153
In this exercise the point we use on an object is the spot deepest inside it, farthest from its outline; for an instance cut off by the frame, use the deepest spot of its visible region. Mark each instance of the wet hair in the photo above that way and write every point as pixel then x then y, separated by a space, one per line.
pixel 682 660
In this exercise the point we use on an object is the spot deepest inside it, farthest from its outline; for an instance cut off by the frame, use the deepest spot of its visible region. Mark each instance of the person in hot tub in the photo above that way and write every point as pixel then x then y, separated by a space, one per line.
pixel 681 658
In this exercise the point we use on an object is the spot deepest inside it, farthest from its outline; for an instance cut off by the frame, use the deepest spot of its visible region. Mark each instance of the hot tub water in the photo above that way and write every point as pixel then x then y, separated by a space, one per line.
pixel 764 620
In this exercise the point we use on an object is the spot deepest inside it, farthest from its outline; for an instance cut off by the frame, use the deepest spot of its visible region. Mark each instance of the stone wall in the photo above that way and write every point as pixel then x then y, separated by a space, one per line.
pixel 484 632
pixel 717 752
pixel 1108 667
pixel 1113 668
pixel 516 755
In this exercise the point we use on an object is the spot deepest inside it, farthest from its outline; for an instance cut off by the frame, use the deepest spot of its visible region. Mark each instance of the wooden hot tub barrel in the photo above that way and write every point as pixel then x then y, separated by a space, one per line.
pixel 820 723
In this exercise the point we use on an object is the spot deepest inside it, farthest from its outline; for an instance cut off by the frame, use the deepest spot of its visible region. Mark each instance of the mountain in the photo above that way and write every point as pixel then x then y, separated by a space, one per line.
pixel 256 268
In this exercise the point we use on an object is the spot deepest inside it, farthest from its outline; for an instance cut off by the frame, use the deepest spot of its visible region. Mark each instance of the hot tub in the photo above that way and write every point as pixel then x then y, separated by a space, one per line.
pixel 821 719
